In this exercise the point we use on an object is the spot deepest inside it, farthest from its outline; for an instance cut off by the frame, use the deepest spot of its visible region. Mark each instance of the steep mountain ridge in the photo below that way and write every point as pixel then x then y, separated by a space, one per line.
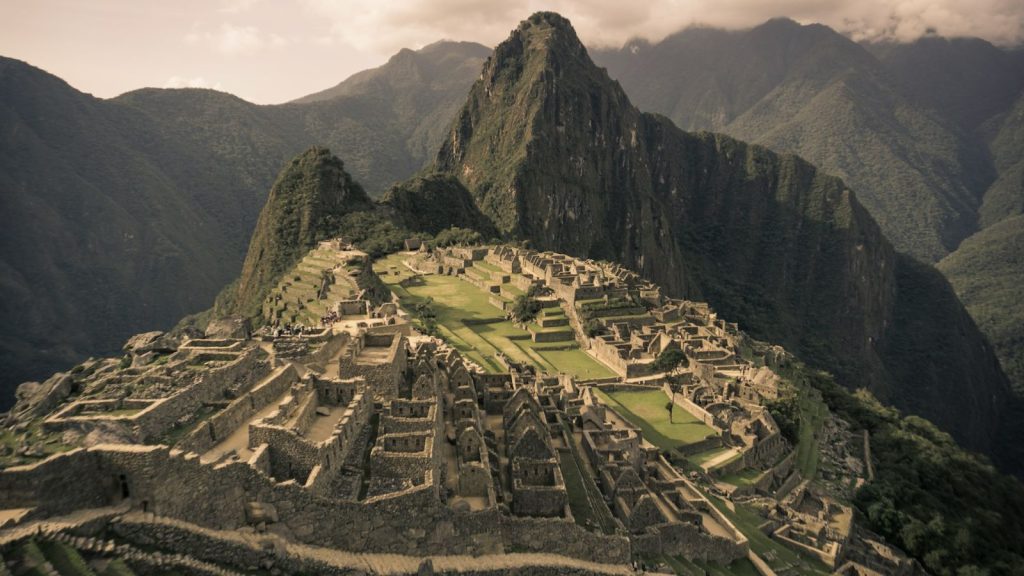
pixel 968 79
pixel 305 206
pixel 552 151
pixel 813 92
pixel 928 132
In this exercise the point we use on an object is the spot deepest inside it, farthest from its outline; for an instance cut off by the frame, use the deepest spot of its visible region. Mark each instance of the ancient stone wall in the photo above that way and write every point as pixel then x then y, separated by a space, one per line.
pixel 696 411
pixel 209 386
pixel 225 422
pixel 177 485
pixel 59 484
pixel 687 540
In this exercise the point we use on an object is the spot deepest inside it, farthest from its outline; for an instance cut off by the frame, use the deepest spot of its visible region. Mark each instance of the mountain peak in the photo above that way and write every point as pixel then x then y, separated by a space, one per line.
pixel 307 201
pixel 540 34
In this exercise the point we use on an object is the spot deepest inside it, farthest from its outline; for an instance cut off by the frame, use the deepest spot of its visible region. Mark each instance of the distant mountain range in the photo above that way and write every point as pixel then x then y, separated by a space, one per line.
pixel 126 214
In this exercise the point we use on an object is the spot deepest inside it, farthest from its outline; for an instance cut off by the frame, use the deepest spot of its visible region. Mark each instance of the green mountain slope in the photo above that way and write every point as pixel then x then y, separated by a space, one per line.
pixel 967 79
pixel 987 272
pixel 96 233
pixel 1005 197
pixel 305 206
pixel 927 133
pixel 126 214
pixel 552 151
pixel 810 91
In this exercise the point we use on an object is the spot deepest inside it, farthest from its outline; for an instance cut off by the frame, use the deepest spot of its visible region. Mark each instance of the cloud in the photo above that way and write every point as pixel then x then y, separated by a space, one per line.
pixel 388 26
pixel 234 40
pixel 184 82
pixel 231 39
pixel 236 6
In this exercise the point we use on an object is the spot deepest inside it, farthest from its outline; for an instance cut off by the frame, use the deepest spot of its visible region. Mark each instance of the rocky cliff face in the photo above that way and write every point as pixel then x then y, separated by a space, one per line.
pixel 552 151
pixel 305 205
pixel 433 202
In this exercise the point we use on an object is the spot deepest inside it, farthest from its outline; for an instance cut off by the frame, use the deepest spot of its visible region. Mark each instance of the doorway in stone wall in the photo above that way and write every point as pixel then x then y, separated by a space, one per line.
pixel 123 484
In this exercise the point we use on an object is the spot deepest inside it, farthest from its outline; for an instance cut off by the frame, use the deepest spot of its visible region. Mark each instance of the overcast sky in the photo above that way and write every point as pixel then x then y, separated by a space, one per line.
pixel 270 51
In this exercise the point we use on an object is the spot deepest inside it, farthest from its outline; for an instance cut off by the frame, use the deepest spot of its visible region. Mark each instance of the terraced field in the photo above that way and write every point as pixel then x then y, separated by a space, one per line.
pixel 468 320
pixel 296 294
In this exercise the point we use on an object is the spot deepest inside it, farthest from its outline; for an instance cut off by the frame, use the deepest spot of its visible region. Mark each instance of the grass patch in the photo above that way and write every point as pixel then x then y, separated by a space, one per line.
pixel 700 458
pixel 66 559
pixel 484 265
pixel 646 410
pixel 743 478
pixel 579 502
pixel 117 567
pixel 812 417
pixel 584 489
pixel 456 302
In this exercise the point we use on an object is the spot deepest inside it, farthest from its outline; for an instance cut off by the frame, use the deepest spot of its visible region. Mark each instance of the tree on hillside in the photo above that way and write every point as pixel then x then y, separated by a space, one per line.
pixel 669 360
pixel 457 236
pixel 524 309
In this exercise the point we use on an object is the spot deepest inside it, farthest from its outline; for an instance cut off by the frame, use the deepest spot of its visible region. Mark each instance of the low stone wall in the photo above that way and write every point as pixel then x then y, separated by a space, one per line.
pixel 209 387
pixel 58 484
pixel 225 422
pixel 555 336
pixel 293 456
pixel 699 413
pixel 322 355
pixel 178 485
pixel 383 378
pixel 700 446
pixel 270 552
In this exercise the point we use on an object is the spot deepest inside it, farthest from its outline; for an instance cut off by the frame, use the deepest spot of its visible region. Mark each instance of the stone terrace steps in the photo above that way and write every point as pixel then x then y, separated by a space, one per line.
pixel 51 526
pixel 338 560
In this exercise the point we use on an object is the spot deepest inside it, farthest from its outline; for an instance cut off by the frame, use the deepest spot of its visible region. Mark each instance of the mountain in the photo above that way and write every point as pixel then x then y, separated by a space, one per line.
pixel 552 151
pixel 126 214
pixel 432 202
pixel 987 272
pixel 967 79
pixel 929 133
pixel 813 92
pixel 305 206
pixel 1005 198
pixel 97 236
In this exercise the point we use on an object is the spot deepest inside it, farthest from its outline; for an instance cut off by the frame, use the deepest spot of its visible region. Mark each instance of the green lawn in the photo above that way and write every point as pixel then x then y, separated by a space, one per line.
pixel 744 477
pixel 487 266
pixel 455 301
pixel 646 410
pixel 701 457
pixel 812 418
pixel 680 565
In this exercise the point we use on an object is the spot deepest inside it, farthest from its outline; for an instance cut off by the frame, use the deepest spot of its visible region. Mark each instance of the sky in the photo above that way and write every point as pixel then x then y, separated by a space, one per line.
pixel 272 51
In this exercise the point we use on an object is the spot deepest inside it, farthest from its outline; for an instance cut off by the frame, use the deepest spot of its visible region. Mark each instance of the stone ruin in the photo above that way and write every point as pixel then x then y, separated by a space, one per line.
pixel 365 435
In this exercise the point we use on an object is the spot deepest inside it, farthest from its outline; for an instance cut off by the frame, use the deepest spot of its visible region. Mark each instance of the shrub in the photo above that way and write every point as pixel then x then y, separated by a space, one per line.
pixel 669 360
pixel 592 328
pixel 457 236
pixel 524 309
